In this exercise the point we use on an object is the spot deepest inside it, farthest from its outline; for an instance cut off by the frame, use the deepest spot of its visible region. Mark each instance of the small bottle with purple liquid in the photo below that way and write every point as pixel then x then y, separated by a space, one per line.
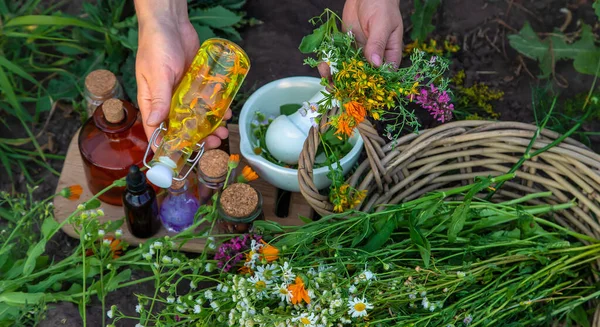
pixel 179 207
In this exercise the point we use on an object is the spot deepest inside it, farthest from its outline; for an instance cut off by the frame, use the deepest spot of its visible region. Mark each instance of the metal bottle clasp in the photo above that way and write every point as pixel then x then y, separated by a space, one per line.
pixel 153 141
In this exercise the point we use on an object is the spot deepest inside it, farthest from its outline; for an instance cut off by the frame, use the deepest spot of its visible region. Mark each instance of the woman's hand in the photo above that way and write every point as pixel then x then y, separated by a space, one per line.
pixel 167 44
pixel 377 26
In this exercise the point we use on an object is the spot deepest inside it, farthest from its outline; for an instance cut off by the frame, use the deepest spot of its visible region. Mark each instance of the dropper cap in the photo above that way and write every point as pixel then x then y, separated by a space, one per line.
pixel 136 181
pixel 160 175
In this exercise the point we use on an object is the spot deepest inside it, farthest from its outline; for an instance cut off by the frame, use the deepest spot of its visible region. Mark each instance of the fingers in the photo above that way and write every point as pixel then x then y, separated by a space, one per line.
pixel 393 49
pixel 154 96
pixel 228 114
pixel 325 72
pixel 214 140
pixel 379 34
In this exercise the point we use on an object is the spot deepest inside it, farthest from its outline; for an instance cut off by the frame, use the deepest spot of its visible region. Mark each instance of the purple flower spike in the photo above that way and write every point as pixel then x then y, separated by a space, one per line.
pixel 436 102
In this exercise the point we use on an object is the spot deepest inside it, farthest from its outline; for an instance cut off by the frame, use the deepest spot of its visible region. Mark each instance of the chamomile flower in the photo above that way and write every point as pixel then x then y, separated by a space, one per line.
pixel 109 313
pixel 138 308
pixel 193 285
pixel 286 273
pixel 328 59
pixel 366 275
pixel 101 232
pixel 306 320
pixel 358 307
pixel 352 289
pixel 259 284
pixel 170 299
pixel 197 308
pixel 267 272
pixel 283 293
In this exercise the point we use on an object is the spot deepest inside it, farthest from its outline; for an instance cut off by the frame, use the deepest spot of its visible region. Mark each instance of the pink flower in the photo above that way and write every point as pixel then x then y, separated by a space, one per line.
pixel 436 102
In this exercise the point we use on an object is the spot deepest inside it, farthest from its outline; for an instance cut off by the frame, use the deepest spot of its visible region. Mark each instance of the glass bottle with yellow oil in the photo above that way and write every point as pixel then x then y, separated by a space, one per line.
pixel 197 108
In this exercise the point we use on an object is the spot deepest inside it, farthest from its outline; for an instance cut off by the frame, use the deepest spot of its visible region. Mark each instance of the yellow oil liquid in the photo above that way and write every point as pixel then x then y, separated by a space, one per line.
pixel 201 99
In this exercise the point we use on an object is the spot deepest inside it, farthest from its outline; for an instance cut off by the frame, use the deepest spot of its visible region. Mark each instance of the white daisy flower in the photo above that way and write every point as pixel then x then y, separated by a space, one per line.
pixel 109 313
pixel 138 308
pixel 267 272
pixel 352 289
pixel 197 308
pixel 366 275
pixel 283 293
pixel 193 285
pixel 157 244
pixel 106 242
pixel 255 246
pixel 260 285
pixel 180 309
pixel 306 320
pixel 358 307
pixel 170 299
pixel 100 232
pixel 166 259
pixel 328 59
pixel 286 273
pixel 215 305
pixel 118 233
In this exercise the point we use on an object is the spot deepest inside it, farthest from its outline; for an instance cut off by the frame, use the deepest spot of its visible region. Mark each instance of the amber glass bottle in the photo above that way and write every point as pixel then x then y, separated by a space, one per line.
pixel 111 141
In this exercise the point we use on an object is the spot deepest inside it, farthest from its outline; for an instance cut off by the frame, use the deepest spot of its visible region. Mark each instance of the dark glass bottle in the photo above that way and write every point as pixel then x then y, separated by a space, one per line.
pixel 110 142
pixel 141 208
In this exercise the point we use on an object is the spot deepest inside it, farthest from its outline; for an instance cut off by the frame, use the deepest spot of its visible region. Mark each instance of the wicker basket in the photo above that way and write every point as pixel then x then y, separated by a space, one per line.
pixel 457 152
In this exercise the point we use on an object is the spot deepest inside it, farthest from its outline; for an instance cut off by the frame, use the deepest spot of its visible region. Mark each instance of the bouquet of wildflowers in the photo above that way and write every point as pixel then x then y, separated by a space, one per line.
pixel 363 91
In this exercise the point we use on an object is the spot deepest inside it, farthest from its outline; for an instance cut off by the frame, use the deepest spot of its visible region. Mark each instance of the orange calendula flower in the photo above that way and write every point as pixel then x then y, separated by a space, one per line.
pixel 299 293
pixel 72 192
pixel 343 125
pixel 248 175
pixel 269 252
pixel 356 111
pixel 234 160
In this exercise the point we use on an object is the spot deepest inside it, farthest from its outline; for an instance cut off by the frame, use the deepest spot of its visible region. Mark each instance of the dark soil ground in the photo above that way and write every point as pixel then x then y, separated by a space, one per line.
pixel 481 28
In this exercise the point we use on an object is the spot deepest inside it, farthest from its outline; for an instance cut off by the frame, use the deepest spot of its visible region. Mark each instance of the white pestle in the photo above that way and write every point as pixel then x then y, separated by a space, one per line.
pixel 286 134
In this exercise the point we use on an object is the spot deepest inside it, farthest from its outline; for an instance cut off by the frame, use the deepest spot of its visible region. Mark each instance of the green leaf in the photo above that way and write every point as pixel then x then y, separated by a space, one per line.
pixel 268 226
pixel 419 240
pixel 457 221
pixel 305 220
pixel 21 298
pixel 204 32
pixel 312 41
pixel 554 48
pixel 52 21
pixel 215 17
pixel 421 19
pixel 49 227
pixel 364 231
pixel 32 255
pixel 43 104
pixel 93 204
pixel 588 55
pixel 381 236
pixel 231 33
pixel 596 6
pixel 579 316
pixel 123 276
pixel 288 109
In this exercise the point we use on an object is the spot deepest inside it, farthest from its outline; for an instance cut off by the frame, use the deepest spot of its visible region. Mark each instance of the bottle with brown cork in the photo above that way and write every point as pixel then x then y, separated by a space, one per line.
pixel 238 206
pixel 212 172
pixel 100 85
pixel 111 141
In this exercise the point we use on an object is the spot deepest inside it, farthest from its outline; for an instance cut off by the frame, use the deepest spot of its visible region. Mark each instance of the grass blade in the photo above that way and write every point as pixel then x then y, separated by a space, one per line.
pixel 6 86
pixel 16 69
pixel 52 21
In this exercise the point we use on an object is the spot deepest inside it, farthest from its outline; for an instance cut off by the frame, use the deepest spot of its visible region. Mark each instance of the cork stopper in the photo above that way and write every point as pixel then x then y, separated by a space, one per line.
pixel 100 82
pixel 239 200
pixel 213 163
pixel 113 110
pixel 176 185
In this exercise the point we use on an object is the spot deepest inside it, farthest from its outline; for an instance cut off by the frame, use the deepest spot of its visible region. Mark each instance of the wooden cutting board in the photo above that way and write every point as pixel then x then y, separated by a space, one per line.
pixel 73 173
